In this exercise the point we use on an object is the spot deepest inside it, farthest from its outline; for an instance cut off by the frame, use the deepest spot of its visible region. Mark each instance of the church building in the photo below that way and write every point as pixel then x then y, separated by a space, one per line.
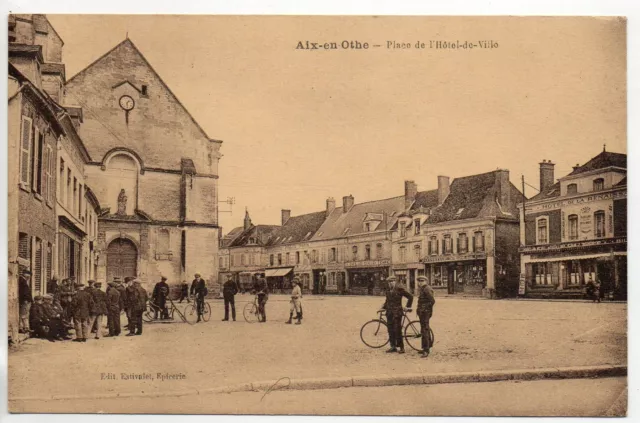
pixel 153 170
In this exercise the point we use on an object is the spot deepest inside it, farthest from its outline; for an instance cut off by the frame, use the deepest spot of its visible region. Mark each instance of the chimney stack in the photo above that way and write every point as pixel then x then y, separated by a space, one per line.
pixel 576 166
pixel 410 192
pixel 331 205
pixel 546 175
pixel 504 188
pixel 286 214
pixel 443 189
pixel 347 203
pixel 247 220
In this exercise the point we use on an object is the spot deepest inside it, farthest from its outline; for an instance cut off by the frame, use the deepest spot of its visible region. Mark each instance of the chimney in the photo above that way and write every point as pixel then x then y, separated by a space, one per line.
pixel 331 205
pixel 443 189
pixel 576 167
pixel 504 188
pixel 347 203
pixel 247 220
pixel 410 192
pixel 546 175
pixel 286 214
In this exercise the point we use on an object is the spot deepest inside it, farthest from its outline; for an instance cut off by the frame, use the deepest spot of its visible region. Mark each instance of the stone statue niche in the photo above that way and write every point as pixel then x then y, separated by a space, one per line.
pixel 122 203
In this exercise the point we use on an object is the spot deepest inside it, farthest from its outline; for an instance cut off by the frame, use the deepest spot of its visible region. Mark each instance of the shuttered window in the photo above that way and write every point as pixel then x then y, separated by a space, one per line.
pixel 48 263
pixel 37 267
pixel 45 173
pixel 24 246
pixel 51 171
pixel 37 162
pixel 25 151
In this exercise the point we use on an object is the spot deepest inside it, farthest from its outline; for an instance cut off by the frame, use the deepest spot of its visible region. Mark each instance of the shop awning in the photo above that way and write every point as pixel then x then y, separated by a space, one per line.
pixel 569 258
pixel 271 273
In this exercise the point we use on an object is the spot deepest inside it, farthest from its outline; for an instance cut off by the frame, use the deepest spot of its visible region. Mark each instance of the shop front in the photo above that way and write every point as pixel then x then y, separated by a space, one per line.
pixel 319 281
pixel 407 274
pixel 246 280
pixel 336 279
pixel 279 279
pixel 466 275
pixel 367 277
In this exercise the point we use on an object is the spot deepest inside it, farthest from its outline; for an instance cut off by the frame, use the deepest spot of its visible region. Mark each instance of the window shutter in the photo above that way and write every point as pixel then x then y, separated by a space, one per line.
pixel 483 246
pixel 458 244
pixel 45 174
pixel 467 241
pixel 437 247
pixel 444 246
pixel 25 151
pixel 429 247
pixel 37 268
pixel 35 161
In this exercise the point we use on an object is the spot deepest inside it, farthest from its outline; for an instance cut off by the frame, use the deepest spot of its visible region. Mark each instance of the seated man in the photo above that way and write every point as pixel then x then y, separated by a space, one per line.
pixel 57 329
pixel 38 319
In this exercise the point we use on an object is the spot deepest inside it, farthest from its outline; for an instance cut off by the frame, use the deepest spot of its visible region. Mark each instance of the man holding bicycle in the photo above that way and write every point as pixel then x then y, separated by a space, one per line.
pixel 199 291
pixel 393 307
pixel 426 301
pixel 262 291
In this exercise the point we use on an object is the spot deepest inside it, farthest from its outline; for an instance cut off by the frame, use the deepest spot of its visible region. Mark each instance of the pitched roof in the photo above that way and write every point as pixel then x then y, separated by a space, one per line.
pixel 551 192
pixel 476 196
pixel 260 233
pixel 229 237
pixel 425 200
pixel 622 183
pixel 601 161
pixel 297 229
pixel 340 224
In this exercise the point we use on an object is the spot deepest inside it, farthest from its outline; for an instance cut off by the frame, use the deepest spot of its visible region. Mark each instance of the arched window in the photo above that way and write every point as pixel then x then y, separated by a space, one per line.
pixel 573 226
pixel 598 184
pixel 572 189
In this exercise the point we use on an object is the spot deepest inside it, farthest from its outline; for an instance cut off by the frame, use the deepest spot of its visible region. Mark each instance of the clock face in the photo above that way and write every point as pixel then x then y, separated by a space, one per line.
pixel 126 102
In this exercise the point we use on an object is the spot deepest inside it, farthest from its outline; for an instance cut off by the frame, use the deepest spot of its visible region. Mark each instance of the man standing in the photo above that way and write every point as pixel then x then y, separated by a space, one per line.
pixel 99 308
pixel 82 305
pixel 199 291
pixel 159 298
pixel 426 302
pixel 229 290
pixel 129 291
pixel 262 291
pixel 113 309
pixel 52 286
pixel 393 307
pixel 26 299
pixel 137 297
pixel 184 292
pixel 295 303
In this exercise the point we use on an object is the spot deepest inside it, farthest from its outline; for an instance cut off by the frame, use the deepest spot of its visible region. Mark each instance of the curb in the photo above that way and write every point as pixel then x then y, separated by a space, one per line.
pixel 370 381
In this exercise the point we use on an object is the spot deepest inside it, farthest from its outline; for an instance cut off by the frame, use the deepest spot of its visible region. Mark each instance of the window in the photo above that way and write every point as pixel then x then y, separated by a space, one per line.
pixel 447 245
pixel 314 256
pixel 463 243
pixel 243 260
pixel 354 251
pixel 573 226
pixel 162 248
pixel 306 257
pixel 598 184
pixel 51 172
pixel 378 251
pixel 221 262
pixel 232 259
pixel 403 254
pixel 61 180
pixel 271 260
pixel 332 255
pixel 367 252
pixel 542 273
pixel 288 258
pixel 297 257
pixel 417 252
pixel 79 201
pixel 69 193
pixel 143 90
pixel 367 227
pixel 45 173
pixel 38 141
pixel 433 246
pixel 37 267
pixel 403 229
pixel 572 189
pixel 25 152
pixel 598 218
pixel 542 231
pixel 416 224
pixel 279 259
pixel 24 246
pixel 48 263
pixel 478 241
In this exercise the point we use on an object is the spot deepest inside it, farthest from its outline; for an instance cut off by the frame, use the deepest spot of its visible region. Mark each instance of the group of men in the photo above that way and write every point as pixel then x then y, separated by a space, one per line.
pixel 198 291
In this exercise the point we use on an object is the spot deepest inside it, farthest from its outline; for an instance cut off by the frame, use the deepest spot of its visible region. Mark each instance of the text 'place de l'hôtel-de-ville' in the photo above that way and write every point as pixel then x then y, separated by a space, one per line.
pixel 110 176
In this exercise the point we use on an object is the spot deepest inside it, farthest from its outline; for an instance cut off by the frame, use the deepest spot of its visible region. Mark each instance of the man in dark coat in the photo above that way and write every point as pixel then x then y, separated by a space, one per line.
pixel 424 310
pixel 393 307
pixel 82 305
pixel 54 322
pixel 199 291
pixel 159 298
pixel 100 307
pixel 261 289
pixel 52 286
pixel 65 294
pixel 229 290
pixel 128 290
pixel 25 298
pixel 137 298
pixel 37 318
pixel 114 305
pixel 184 292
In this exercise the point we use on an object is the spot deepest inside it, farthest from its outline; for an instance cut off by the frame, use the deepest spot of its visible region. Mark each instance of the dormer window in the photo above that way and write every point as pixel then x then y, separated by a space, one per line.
pixel 416 224
pixel 572 189
pixel 459 212
pixel 598 184
pixel 403 229
pixel 367 227
pixel 143 90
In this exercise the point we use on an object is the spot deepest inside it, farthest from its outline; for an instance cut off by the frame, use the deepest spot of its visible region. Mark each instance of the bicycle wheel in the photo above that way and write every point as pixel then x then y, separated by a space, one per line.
pixel 374 334
pixel 413 336
pixel 206 312
pixel 148 315
pixel 250 313
pixel 190 314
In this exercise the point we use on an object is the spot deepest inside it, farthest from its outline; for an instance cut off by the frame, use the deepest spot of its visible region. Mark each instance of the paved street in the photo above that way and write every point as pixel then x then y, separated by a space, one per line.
pixel 575 397
pixel 470 335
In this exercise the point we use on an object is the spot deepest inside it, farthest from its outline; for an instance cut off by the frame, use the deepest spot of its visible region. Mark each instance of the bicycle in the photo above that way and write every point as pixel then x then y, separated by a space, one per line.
pixel 149 314
pixel 374 333
pixel 191 312
pixel 251 311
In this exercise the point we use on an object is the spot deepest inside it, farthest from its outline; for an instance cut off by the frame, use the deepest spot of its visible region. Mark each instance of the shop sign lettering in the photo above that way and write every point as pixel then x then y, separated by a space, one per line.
pixel 368 263
pixel 573 201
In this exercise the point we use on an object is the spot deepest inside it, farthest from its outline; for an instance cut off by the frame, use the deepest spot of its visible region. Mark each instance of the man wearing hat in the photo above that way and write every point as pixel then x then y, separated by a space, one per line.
pixel 38 319
pixel 295 303
pixel 54 322
pixel 199 291
pixel 229 290
pixel 159 298
pixel 261 289
pixel 137 297
pixel 113 309
pixel 128 290
pixel 82 305
pixel 25 298
pixel 424 311
pixel 393 307
pixel 99 309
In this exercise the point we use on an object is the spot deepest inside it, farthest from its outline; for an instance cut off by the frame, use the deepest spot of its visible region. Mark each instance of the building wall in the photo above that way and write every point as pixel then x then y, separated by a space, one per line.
pixel 585 183
pixel 201 254
pixel 555 226
pixel 14 113
pixel 507 258
pixel 620 217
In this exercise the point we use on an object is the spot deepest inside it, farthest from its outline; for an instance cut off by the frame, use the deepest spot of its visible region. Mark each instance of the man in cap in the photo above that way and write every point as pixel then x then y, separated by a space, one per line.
pixel 54 322
pixel 229 290
pixel 37 319
pixel 199 291
pixel 137 297
pixel 295 303
pixel 424 311
pixel 25 298
pixel 261 289
pixel 100 307
pixel 113 309
pixel 129 291
pixel 393 307
pixel 159 298
pixel 82 305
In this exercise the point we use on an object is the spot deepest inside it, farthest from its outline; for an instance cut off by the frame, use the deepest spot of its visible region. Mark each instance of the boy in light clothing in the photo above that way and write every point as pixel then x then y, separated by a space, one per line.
pixel 296 302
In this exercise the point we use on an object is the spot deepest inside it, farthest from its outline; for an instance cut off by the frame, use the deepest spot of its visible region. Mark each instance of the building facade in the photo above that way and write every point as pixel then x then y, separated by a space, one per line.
pixel 154 172
pixel 575 230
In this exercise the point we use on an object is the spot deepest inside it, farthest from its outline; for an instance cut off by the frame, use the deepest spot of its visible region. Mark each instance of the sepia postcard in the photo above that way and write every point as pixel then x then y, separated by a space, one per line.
pixel 317 215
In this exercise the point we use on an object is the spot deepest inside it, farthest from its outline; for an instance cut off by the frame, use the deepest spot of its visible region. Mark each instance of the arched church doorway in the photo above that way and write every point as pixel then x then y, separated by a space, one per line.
pixel 122 259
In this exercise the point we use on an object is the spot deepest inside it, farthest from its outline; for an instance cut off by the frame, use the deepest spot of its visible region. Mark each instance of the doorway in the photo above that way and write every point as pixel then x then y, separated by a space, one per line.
pixel 122 259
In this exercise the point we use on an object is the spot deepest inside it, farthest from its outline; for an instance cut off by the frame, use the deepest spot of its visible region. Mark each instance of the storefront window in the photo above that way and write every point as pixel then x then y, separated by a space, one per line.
pixel 573 226
pixel 542 273
pixel 436 277
pixel 598 218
